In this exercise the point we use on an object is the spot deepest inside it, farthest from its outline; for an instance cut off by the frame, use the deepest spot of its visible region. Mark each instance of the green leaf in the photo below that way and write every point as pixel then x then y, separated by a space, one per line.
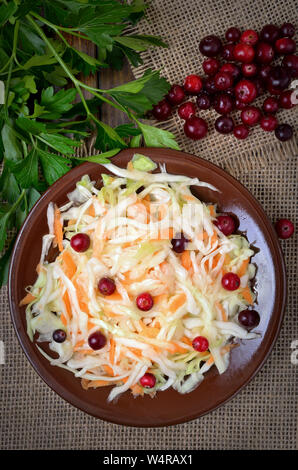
pixel 30 125
pixel 32 197
pixel 155 137
pixel 139 43
pixel 101 158
pixel 11 144
pixel 136 141
pixel 4 263
pixel 26 171
pixel 140 95
pixel 127 130
pixel 6 11
pixel 53 166
pixel 60 143
pixel 40 60
pixel 30 41
pixel 4 221
pixel 9 187
pixel 56 104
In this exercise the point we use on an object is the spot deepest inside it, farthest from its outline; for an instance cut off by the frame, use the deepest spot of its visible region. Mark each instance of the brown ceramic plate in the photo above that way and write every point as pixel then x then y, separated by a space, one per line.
pixel 167 407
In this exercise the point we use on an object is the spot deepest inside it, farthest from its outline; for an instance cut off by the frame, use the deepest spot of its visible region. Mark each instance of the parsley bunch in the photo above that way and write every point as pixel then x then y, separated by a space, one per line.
pixel 37 59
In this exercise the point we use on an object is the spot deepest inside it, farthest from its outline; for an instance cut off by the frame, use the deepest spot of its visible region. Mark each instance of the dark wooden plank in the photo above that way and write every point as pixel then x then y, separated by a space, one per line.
pixel 109 78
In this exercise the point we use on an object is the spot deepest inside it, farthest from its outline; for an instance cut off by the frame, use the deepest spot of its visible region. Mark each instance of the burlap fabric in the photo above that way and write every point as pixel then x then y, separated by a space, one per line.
pixel 264 414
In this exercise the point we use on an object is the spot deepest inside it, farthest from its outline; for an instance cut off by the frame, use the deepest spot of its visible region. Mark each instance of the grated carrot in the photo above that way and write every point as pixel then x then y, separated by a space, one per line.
pixel 247 295
pixel 243 268
pixel 176 302
pixel 68 265
pixel 27 299
pixel 112 351
pixel 212 210
pixel 58 229
pixel 63 319
pixel 185 259
pixel 222 311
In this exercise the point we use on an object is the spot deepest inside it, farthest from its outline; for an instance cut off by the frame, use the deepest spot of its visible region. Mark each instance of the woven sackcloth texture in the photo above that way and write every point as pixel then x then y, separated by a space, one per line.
pixel 264 415
pixel 183 24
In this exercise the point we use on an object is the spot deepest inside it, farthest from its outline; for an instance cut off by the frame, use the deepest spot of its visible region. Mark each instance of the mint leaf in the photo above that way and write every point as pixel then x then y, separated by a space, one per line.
pixel 155 137
pixel 53 166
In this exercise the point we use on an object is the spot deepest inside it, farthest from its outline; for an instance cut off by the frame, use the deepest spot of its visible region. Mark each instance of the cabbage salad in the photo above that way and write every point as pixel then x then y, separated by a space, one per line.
pixel 133 223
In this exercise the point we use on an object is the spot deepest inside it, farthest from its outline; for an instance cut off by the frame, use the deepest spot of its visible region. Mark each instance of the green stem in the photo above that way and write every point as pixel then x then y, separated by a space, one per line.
pixel 56 27
pixel 14 46
pixel 16 204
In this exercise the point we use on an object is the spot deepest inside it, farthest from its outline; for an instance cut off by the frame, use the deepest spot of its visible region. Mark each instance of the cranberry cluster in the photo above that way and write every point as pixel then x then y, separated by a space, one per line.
pixel 246 73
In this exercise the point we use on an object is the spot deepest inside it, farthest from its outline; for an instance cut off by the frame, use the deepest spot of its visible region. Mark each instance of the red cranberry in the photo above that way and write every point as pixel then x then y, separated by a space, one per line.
pixel 179 243
pixel 210 46
pixel 259 84
pixel 270 105
pixel 241 131
pixel 228 51
pixel 97 340
pixel 148 380
pixel 203 100
pixel 223 80
pixel 195 128
pixel 264 53
pixel 249 37
pixel 193 84
pixel 59 336
pixel 209 85
pixel 244 53
pixel 230 281
pixel 269 33
pixel 249 70
pixel 200 343
pixel 80 242
pixel 233 34
pixel 226 224
pixel 249 318
pixel 278 78
pixel 287 29
pixel 240 104
pixel 246 91
pixel 176 94
pixel 285 46
pixel 223 103
pixel 250 115
pixel 187 110
pixel 285 99
pixel 284 228
pixel 284 132
pixel 268 123
pixel 210 66
pixel 264 71
pixel 272 90
pixel 232 69
pixel 144 301
pixel 106 286
pixel 291 64
pixel 224 124
pixel 162 110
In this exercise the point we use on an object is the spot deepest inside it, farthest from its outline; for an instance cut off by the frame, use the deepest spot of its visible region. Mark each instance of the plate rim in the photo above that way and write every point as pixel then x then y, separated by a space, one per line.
pixel 48 379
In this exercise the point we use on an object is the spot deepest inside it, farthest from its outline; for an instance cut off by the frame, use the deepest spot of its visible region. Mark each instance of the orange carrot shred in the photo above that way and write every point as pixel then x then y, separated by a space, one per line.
pixel 58 229
pixel 27 299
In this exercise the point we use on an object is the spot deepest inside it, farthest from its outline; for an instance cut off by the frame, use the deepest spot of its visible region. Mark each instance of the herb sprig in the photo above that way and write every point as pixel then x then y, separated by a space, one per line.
pixel 38 111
